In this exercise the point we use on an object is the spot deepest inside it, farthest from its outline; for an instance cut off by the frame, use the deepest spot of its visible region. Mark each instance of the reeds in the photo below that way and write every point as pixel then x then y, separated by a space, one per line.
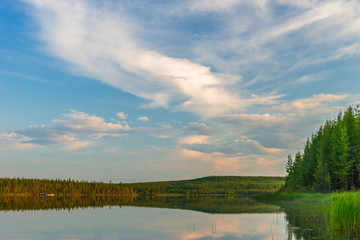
pixel 342 212
pixel 300 197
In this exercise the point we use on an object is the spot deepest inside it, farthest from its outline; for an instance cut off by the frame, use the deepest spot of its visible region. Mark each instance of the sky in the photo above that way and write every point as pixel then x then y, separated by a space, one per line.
pixel 148 90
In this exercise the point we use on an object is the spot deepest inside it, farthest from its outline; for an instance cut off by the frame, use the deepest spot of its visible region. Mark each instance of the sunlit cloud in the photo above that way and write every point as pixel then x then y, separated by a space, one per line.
pixel 122 115
pixel 310 103
pixel 76 130
pixel 143 119
pixel 14 141
pixel 98 42
pixel 240 146
pixel 75 145
pixel 67 130
pixel 221 163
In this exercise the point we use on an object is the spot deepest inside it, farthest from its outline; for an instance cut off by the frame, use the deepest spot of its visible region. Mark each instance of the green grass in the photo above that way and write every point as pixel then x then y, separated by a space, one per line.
pixel 342 212
pixel 302 197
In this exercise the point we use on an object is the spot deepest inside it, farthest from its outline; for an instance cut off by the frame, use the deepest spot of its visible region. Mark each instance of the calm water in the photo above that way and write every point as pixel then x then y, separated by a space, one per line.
pixel 157 218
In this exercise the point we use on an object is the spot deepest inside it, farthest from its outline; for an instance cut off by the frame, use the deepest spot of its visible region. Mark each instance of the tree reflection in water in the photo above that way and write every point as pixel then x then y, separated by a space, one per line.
pixel 304 220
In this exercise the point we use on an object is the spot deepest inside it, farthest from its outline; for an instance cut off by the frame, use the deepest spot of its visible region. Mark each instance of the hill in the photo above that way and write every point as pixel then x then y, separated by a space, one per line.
pixel 216 185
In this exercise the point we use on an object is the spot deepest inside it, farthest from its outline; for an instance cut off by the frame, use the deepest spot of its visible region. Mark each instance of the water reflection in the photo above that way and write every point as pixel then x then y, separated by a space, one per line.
pixel 305 221
pixel 202 204
pixel 60 203
pixel 158 218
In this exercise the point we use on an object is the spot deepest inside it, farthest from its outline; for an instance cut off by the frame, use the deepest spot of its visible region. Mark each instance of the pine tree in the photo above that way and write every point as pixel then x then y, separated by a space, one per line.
pixel 289 166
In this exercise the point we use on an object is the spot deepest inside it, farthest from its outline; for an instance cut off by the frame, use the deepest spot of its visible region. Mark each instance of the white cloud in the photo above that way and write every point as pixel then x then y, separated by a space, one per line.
pixel 311 102
pixel 222 5
pixel 143 119
pixel 299 3
pixel 164 136
pixel 14 141
pixel 194 139
pixel 122 115
pixel 348 51
pixel 80 121
pixel 245 165
pixel 229 147
pixel 77 145
pixel 271 99
pixel 312 16
pixel 98 42
pixel 213 5
pixel 270 47
pixel 253 120
pixel 286 125
pixel 307 78
pixel 68 130
pixel 77 130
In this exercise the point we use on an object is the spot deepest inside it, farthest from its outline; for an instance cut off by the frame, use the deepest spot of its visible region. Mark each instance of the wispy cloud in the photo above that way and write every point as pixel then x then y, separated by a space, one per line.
pixel 307 79
pixel 312 16
pixel 98 42
pixel 291 36
pixel 102 41
pixel 311 102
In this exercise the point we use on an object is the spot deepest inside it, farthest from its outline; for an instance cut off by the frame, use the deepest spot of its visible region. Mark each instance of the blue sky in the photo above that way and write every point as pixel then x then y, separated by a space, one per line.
pixel 156 90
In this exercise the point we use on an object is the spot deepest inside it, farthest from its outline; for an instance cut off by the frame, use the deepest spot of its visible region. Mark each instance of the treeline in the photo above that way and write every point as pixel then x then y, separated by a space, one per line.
pixel 18 186
pixel 330 160
pixel 216 185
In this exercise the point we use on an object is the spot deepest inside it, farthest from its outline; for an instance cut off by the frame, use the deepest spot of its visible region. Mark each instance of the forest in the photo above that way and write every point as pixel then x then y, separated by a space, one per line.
pixel 330 160
pixel 215 185
pixel 18 186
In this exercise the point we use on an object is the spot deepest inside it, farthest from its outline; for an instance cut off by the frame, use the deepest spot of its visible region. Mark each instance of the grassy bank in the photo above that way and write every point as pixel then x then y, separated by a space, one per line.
pixel 342 212
pixel 301 197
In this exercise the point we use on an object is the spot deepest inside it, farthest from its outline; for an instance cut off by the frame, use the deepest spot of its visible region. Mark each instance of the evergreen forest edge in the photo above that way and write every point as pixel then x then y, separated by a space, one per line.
pixel 330 160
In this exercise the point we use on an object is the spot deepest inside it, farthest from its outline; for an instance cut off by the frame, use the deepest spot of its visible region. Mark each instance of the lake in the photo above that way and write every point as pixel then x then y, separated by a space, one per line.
pixel 158 218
